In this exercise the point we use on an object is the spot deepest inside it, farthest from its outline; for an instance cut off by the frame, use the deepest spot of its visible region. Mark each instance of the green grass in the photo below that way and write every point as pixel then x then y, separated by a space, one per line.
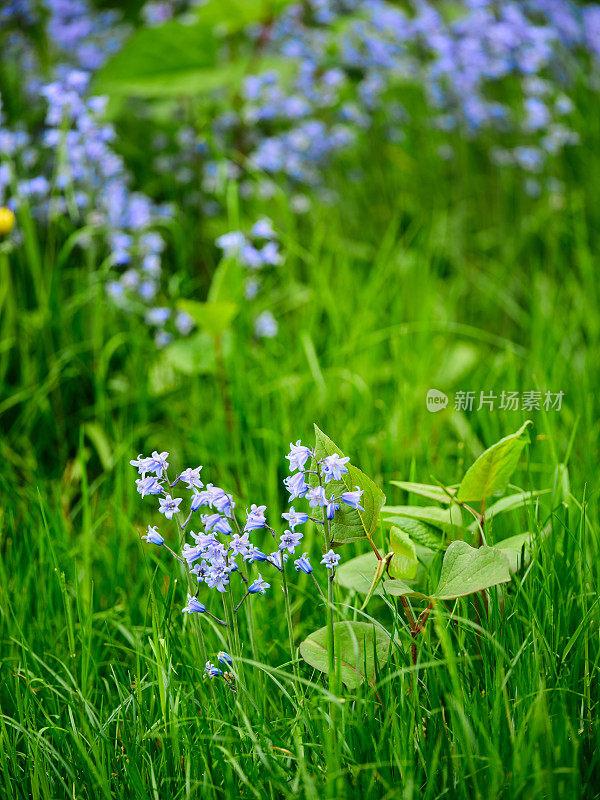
pixel 416 280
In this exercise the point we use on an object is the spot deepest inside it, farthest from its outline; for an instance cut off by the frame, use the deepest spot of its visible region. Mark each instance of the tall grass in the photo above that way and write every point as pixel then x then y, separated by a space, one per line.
pixel 414 281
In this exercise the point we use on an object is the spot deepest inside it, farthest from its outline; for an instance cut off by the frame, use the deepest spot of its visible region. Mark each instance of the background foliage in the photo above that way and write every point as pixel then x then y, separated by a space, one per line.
pixel 403 271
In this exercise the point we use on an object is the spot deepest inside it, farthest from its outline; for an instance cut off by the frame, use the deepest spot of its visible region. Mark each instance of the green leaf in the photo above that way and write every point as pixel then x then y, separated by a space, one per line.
pixel 513 549
pixel 490 474
pixel 428 490
pixel 230 16
pixel 510 503
pixel 358 573
pixel 448 520
pixel 349 524
pixel 358 645
pixel 420 532
pixel 194 355
pixel 380 569
pixel 160 60
pixel 403 563
pixel 466 570
pixel 227 282
pixel 177 59
pixel 214 318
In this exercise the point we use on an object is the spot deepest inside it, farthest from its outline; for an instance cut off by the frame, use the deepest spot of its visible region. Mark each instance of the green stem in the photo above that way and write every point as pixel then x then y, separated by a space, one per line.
pixel 332 740
pixel 236 647
pixel 288 614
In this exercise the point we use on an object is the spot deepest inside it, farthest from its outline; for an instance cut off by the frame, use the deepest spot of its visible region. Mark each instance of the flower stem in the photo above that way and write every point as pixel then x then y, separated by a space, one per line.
pixel 288 614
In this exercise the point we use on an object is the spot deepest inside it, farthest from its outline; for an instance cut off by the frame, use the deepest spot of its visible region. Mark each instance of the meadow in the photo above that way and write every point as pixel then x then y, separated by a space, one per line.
pixel 411 253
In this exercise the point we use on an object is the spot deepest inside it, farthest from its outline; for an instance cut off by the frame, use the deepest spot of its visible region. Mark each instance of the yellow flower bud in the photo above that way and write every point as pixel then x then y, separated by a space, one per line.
pixel 7 221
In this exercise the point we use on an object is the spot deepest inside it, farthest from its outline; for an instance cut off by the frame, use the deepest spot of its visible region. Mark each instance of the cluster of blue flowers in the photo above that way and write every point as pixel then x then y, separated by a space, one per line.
pixel 258 249
pixel 457 58
pixel 70 166
pixel 222 547
pixel 347 58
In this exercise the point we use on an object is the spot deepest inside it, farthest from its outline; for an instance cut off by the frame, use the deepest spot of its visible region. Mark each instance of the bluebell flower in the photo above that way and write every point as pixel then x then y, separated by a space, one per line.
pixel 156 463
pixel 193 606
pixel 217 577
pixel 217 523
pixel 254 554
pixel 317 497
pixel 353 498
pixel 222 502
pixel 148 485
pixel 231 243
pixel 330 559
pixel 332 507
pixel 265 325
pixel 211 671
pixel 270 254
pixel 200 570
pixel 204 498
pixel 114 289
pixel 153 536
pixel 303 564
pixel 251 288
pixel 251 257
pixel 255 518
pixel 298 455
pixel 192 554
pixel 278 559
pixel 191 478
pixel 157 316
pixel 295 517
pixel 564 105
pixel 239 545
pixel 258 586
pixel 148 290
pixel 151 265
pixel 169 506
pixel 224 658
pixel 289 541
pixel 162 339
pixel 333 467
pixel 184 323
pixel 263 229
pixel 296 485
pixel 538 115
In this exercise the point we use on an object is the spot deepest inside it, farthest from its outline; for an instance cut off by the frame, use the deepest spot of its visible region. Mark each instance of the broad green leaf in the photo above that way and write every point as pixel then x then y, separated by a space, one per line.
pixel 227 282
pixel 466 569
pixel 194 355
pixel 448 520
pixel 230 16
pixel 420 532
pixel 510 503
pixel 179 58
pixel 403 563
pixel 161 60
pixel 513 548
pixel 490 474
pixel 428 490
pixel 358 645
pixel 349 525
pixel 214 318
pixel 358 573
